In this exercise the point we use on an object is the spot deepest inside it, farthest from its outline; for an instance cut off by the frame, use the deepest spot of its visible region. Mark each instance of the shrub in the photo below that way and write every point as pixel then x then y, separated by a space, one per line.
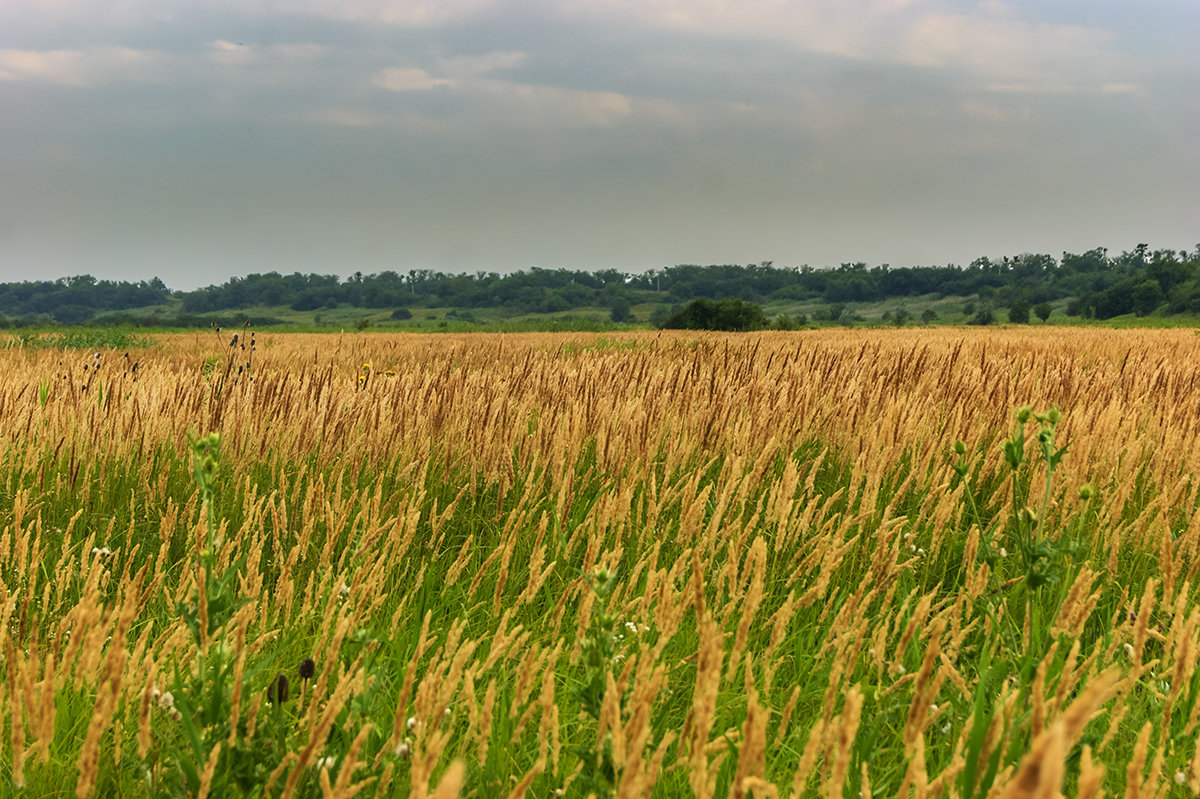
pixel 728 314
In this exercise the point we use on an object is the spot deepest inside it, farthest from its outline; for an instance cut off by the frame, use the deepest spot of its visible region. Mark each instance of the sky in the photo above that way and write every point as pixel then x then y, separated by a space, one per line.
pixel 196 140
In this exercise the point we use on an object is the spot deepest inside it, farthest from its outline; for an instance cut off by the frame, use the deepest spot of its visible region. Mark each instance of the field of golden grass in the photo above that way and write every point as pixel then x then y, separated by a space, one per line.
pixel 781 564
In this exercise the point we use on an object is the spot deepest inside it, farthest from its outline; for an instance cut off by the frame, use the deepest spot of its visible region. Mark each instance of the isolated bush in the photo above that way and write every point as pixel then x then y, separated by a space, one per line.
pixel 621 311
pixel 727 314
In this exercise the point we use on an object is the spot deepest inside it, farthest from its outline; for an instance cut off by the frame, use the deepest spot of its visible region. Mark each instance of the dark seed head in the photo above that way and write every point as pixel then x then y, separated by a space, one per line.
pixel 277 691
pixel 307 669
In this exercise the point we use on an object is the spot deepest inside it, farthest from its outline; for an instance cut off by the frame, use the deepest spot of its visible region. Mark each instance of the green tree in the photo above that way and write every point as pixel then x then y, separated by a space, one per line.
pixel 620 310
pixel 661 314
pixel 834 311
pixel 983 317
pixel 928 315
pixel 72 314
pixel 1146 296
pixel 1018 312
pixel 1042 310
pixel 727 314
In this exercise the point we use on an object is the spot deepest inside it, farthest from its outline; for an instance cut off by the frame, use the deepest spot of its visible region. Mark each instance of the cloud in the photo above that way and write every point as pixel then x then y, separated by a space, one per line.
pixel 1011 54
pixel 408 79
pixel 86 67
pixel 398 12
pixel 294 54
pixel 540 107
pixel 992 42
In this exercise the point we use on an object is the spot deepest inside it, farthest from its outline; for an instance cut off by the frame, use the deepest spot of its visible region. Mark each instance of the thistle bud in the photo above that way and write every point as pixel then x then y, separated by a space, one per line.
pixel 277 691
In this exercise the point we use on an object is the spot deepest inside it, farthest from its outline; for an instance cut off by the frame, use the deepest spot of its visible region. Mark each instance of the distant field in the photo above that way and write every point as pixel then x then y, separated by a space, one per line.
pixel 828 562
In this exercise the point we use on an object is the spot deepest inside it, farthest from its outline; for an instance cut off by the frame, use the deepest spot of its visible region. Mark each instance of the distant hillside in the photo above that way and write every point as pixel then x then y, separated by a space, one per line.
pixel 1091 284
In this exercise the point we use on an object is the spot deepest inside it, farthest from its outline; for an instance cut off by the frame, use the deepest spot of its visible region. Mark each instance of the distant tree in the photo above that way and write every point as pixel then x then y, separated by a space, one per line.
pixel 402 313
pixel 968 308
pixel 834 311
pixel 1042 310
pixel 72 314
pixel 900 316
pixel 928 315
pixel 620 310
pixel 1018 312
pixel 727 314
pixel 983 317
pixel 785 322
pixel 308 301
pixel 1146 296
pixel 660 314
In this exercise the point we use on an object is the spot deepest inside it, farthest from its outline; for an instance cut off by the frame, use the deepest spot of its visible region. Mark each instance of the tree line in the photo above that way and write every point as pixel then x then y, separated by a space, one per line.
pixel 1095 283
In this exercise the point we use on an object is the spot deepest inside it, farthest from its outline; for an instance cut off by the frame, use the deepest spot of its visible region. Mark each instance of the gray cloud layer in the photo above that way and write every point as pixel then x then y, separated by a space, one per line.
pixel 307 135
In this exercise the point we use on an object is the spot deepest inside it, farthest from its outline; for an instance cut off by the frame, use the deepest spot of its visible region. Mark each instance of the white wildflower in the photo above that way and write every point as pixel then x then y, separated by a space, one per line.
pixel 325 762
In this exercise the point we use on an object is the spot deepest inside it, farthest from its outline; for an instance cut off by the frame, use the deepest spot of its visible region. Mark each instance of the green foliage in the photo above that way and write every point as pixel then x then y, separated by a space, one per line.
pixel 1044 562
pixel 1146 297
pixel 985 316
pixel 1138 281
pixel 620 310
pixel 79 339
pixel 728 314
pixel 196 720
pixel 1042 310
pixel 785 322
pixel 1018 312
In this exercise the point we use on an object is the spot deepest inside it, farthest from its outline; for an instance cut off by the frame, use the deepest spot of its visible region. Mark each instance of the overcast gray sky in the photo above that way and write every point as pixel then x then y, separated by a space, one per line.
pixel 200 139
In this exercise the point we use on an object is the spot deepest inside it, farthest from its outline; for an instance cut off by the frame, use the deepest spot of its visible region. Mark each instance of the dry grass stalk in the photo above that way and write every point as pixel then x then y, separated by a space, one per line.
pixel 757 517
